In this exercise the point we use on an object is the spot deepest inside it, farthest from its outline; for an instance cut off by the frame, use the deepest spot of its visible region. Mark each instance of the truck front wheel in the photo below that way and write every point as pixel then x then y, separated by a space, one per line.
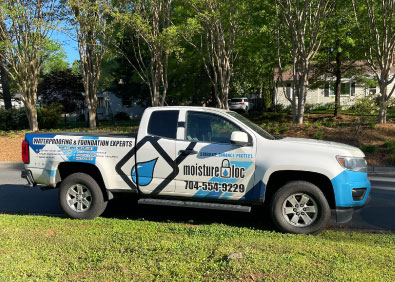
pixel 81 197
pixel 300 207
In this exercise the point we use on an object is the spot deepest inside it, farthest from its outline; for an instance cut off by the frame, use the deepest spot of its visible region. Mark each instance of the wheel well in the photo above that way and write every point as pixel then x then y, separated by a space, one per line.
pixel 65 169
pixel 279 178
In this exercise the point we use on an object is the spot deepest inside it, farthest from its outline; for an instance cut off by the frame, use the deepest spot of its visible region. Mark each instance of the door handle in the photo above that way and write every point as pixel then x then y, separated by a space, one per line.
pixel 187 152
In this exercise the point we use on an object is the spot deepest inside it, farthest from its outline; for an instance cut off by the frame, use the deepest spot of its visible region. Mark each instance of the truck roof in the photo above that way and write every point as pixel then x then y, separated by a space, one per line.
pixel 211 109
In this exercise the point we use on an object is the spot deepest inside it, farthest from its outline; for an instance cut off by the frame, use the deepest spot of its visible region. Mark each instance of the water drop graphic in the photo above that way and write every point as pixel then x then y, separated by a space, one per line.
pixel 225 173
pixel 145 171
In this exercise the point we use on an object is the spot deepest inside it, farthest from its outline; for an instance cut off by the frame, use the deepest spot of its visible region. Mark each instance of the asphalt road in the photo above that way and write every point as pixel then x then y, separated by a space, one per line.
pixel 15 198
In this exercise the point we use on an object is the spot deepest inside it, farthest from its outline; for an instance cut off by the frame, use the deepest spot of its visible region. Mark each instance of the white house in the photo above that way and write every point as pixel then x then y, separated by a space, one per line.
pixel 16 101
pixel 350 91
pixel 110 104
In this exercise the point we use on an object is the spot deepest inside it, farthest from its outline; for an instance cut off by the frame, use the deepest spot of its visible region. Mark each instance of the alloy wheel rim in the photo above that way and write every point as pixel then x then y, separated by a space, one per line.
pixel 79 198
pixel 300 210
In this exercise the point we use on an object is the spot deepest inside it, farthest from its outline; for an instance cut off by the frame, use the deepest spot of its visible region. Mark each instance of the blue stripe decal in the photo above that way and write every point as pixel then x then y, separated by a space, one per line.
pixel 241 164
pixel 256 192
pixel 52 172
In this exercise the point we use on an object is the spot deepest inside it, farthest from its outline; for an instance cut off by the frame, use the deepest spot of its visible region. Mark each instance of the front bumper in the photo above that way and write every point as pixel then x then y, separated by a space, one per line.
pixel 344 186
pixel 344 215
pixel 351 191
pixel 27 174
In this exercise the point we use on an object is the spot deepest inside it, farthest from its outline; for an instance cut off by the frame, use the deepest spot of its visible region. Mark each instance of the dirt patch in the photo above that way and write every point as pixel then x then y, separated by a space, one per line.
pixel 11 148
pixel 374 138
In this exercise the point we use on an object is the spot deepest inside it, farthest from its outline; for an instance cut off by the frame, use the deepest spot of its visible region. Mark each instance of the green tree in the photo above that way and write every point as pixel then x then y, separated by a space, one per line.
pixel 90 20
pixel 256 53
pixel 340 54
pixel 55 59
pixel 212 28
pixel 377 28
pixel 301 26
pixel 145 25
pixel 24 38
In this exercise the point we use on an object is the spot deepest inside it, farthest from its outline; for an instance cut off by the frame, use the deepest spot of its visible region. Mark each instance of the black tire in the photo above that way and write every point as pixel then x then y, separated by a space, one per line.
pixel 246 110
pixel 89 204
pixel 292 218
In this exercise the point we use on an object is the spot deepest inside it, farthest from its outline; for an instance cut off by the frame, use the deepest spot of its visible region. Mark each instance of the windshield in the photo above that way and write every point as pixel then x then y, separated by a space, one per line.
pixel 251 125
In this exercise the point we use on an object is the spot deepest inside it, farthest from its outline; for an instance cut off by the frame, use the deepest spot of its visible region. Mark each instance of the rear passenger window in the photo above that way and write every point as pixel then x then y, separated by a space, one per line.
pixel 163 124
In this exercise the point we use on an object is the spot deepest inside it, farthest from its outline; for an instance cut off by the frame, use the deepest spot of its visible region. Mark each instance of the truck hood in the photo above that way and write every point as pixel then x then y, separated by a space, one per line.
pixel 354 151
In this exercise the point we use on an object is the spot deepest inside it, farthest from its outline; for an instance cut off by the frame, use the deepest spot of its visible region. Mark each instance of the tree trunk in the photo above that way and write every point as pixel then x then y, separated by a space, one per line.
pixel 383 104
pixel 383 114
pixel 301 99
pixel 91 102
pixel 338 75
pixel 31 112
pixel 91 114
pixel 5 86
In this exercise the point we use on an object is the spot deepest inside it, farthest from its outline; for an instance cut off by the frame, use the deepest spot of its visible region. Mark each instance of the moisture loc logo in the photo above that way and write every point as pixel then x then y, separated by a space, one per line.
pixel 226 170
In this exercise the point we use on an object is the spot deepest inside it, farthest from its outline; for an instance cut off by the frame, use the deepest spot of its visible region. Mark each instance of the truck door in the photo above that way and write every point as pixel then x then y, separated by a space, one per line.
pixel 213 167
pixel 154 170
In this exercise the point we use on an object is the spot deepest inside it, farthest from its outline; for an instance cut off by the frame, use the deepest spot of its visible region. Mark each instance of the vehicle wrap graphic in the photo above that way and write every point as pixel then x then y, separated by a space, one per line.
pixel 229 173
pixel 142 173
pixel 71 148
pixel 154 142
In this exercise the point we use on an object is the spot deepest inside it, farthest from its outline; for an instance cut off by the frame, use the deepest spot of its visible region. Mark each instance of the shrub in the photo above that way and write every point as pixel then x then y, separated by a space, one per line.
pixel 319 107
pixel 369 148
pixel 319 134
pixel 49 116
pixel 389 144
pixel 372 125
pixel 278 108
pixel 121 116
pixel 308 125
pixel 13 119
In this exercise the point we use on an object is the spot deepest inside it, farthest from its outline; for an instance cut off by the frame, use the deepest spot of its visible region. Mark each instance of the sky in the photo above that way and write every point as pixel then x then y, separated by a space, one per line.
pixel 69 45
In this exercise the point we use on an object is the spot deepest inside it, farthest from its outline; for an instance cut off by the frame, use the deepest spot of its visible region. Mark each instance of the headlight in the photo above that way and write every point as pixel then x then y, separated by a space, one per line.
pixel 354 164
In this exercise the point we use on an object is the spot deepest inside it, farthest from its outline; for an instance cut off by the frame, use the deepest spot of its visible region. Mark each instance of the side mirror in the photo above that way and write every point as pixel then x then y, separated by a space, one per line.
pixel 239 138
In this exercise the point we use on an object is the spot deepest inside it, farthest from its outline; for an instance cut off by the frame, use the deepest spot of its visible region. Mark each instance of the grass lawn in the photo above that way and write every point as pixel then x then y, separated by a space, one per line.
pixel 38 248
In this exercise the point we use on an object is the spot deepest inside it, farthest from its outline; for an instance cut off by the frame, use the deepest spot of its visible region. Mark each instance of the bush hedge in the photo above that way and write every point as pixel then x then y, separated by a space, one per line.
pixel 13 119
pixel 49 116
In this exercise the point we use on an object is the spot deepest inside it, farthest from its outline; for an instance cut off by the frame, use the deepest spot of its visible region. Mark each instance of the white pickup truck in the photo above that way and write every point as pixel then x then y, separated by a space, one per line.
pixel 205 158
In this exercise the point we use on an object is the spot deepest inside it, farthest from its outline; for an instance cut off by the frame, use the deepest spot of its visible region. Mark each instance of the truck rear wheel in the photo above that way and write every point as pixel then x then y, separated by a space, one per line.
pixel 81 197
pixel 300 207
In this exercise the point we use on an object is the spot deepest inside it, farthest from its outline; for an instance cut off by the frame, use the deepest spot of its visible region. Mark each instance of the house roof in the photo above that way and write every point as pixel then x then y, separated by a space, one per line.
pixel 287 74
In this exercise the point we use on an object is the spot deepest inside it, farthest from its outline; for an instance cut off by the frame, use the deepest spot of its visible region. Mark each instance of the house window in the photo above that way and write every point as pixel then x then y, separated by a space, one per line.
pixel 372 90
pixel 353 88
pixel 100 102
pixel 346 89
pixel 126 101
pixel 329 89
pixel 288 90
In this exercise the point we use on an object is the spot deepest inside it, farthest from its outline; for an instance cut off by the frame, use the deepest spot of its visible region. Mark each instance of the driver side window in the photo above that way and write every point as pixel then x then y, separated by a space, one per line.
pixel 205 127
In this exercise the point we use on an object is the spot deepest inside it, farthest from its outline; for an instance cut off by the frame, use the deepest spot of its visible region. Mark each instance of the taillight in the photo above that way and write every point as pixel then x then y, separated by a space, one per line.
pixel 25 152
pixel 241 103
